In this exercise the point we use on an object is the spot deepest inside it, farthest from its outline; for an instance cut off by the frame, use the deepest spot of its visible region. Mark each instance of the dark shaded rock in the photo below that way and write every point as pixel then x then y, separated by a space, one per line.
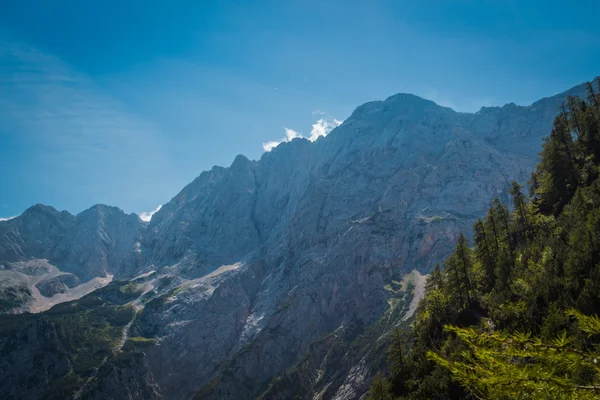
pixel 126 377
pixel 58 284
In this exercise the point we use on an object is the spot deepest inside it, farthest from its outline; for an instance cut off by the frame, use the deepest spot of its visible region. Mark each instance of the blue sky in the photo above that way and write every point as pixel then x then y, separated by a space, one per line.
pixel 124 102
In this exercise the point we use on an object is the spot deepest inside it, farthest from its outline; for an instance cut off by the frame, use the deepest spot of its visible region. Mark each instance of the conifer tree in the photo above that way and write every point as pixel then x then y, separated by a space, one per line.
pixel 556 174
pixel 484 253
pixel 518 366
pixel 465 264
pixel 491 220
pixel 519 203
pixel 455 282
pixel 436 280
pixel 380 388
pixel 545 258
pixel 396 354
pixel 592 98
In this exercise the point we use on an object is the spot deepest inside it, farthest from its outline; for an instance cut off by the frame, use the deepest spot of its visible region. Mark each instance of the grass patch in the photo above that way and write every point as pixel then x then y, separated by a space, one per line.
pixel 138 342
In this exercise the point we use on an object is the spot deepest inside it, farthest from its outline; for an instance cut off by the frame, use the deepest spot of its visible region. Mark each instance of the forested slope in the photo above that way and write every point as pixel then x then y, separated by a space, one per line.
pixel 513 317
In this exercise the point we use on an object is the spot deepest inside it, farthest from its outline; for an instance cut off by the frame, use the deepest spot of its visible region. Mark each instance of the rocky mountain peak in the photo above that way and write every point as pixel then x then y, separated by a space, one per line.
pixel 241 164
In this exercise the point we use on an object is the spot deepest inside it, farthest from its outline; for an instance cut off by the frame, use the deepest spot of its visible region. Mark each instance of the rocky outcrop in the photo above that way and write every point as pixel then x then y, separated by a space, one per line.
pixel 58 284
pixel 15 295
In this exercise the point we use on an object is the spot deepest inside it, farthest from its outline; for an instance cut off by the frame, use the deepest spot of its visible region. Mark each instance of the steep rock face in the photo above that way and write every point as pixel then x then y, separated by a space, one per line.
pixel 334 221
pixel 203 320
pixel 210 222
pixel 91 244
pixel 36 231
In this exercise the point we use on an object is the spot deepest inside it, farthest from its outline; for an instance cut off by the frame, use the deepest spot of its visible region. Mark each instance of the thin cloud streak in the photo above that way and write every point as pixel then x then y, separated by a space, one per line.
pixel 81 141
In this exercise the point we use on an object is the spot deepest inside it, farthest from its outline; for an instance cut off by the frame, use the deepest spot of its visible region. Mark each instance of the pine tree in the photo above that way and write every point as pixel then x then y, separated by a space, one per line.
pixel 466 265
pixel 592 97
pixel 484 254
pixel 396 354
pixel 556 174
pixel 518 366
pixel 491 220
pixel 436 280
pixel 519 203
pixel 506 260
pixel 454 275
pixel 380 388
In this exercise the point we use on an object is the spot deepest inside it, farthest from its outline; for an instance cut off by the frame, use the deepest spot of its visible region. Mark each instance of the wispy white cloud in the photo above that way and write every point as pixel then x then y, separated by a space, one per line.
pixel 9 218
pixel 270 145
pixel 290 135
pixel 322 127
pixel 146 216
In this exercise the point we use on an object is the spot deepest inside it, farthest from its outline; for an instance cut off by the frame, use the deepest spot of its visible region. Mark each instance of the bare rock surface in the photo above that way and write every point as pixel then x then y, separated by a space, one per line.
pixel 58 284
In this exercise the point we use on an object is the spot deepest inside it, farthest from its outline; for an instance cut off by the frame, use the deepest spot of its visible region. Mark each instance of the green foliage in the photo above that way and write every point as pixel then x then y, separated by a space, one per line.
pixel 380 388
pixel 498 365
pixel 120 292
pixel 138 343
pixel 507 319
pixel 90 336
pixel 88 331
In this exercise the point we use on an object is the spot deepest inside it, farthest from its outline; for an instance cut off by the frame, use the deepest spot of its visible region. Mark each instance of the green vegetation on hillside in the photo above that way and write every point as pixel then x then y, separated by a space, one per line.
pixel 514 316
pixel 83 333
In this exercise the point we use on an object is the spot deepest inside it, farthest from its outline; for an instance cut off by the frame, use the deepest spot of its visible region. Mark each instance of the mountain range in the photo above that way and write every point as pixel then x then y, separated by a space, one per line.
pixel 273 278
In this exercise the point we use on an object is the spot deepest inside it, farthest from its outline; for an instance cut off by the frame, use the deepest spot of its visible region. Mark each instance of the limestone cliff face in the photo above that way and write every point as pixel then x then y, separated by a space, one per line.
pixel 319 229
pixel 89 244
pixel 256 263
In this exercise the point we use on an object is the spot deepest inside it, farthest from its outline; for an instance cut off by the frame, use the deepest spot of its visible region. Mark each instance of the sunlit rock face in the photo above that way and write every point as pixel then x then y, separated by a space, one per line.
pixel 255 264
pixel 320 229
